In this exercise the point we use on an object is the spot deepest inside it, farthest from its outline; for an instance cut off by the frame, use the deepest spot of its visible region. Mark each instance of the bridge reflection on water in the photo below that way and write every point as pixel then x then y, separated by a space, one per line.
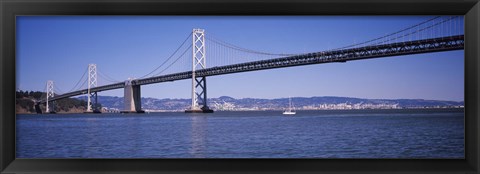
pixel 198 136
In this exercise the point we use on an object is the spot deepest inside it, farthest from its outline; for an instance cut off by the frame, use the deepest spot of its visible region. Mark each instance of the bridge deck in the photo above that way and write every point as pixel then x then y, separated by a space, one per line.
pixel 394 49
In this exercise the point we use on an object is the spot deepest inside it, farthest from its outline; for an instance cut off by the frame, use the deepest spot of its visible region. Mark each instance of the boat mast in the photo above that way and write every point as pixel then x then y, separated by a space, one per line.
pixel 290 104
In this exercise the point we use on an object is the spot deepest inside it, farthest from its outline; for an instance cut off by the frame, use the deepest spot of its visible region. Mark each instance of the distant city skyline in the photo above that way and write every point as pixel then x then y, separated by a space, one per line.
pixel 59 48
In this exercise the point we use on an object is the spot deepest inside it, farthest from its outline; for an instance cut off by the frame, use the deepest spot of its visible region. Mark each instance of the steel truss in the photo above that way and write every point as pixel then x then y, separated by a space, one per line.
pixel 368 52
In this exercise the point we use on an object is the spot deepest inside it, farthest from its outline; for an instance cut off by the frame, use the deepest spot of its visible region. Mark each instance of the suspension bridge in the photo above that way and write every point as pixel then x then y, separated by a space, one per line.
pixel 434 35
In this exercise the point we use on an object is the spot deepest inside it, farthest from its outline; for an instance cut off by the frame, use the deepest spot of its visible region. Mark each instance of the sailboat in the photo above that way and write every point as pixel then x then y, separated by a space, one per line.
pixel 290 110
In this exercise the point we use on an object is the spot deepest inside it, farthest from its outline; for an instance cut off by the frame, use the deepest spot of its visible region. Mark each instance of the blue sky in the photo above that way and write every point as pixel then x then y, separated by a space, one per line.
pixel 59 48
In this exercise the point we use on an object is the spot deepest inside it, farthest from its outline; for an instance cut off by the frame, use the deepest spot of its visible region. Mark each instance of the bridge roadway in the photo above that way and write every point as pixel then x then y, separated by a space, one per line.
pixel 393 49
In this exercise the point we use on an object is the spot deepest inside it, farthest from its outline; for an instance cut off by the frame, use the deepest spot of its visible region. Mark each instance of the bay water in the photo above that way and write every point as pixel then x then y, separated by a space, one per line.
pixel 403 133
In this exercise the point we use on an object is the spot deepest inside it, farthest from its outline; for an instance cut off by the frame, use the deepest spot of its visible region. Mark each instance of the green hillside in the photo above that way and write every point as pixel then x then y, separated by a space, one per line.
pixel 25 103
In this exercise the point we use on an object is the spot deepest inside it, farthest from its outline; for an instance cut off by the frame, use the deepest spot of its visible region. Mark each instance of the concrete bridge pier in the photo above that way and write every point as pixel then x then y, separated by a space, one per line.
pixel 37 108
pixel 132 98
pixel 52 109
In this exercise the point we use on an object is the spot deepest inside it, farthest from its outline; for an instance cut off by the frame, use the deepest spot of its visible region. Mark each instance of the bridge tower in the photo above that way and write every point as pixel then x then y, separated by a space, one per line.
pixel 92 82
pixel 50 94
pixel 199 84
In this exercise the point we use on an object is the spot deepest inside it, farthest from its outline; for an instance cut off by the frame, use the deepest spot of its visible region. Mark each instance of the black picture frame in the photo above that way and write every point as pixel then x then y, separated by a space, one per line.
pixel 11 8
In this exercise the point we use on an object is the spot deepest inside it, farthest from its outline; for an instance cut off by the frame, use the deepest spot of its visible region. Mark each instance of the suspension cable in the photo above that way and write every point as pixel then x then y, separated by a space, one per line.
pixel 83 84
pixel 106 77
pixel 391 34
pixel 174 61
pixel 183 43
pixel 235 47
pixel 79 80
pixel 58 89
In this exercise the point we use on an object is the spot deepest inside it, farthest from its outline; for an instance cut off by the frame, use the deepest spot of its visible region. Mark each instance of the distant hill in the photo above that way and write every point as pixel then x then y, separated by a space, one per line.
pixel 326 102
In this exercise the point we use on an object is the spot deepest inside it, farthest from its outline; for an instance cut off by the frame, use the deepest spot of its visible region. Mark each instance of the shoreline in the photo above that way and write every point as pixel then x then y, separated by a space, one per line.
pixel 306 110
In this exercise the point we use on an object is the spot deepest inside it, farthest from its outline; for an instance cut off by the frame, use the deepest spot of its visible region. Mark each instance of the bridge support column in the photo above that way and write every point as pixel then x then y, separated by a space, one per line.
pixel 37 108
pixel 199 98
pixel 94 107
pixel 199 102
pixel 132 98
